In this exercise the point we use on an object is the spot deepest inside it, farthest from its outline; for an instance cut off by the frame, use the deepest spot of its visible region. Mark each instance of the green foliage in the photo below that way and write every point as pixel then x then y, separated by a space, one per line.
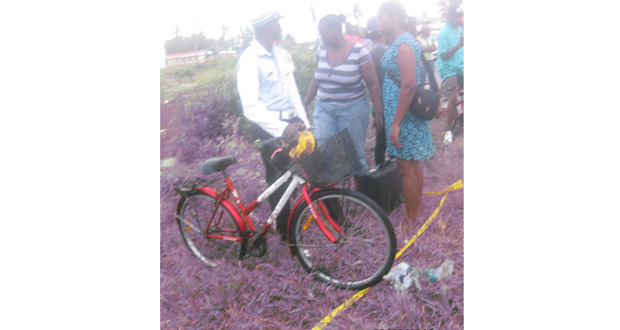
pixel 304 59
pixel 357 12
pixel 245 37
pixel 180 44
pixel 177 80
pixel 209 105
pixel 444 4
pixel 210 99
pixel 195 42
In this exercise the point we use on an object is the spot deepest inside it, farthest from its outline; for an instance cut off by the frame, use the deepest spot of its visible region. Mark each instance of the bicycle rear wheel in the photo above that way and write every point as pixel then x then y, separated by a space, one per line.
pixel 364 251
pixel 193 214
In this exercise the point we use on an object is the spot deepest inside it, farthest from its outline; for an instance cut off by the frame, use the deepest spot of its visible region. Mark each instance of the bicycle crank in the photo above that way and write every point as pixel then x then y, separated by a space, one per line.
pixel 254 245
pixel 259 247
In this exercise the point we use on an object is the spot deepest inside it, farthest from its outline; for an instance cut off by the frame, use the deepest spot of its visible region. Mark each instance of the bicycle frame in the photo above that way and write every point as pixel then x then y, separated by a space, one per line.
pixel 242 214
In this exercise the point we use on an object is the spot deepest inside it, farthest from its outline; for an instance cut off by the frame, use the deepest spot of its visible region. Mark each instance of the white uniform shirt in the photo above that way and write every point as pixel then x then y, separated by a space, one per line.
pixel 267 86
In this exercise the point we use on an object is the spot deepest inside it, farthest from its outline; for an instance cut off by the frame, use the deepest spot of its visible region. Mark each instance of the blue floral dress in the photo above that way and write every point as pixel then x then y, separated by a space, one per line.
pixel 415 134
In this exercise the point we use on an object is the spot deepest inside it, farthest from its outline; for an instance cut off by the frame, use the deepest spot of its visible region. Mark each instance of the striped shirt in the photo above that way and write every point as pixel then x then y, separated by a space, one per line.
pixel 341 84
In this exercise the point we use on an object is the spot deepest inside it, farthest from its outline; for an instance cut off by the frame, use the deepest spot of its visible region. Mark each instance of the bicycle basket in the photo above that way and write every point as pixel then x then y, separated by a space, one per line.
pixel 333 161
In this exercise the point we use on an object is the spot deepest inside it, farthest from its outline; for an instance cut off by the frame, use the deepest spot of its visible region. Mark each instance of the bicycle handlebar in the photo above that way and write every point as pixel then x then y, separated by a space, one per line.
pixel 261 145
pixel 279 141
pixel 280 148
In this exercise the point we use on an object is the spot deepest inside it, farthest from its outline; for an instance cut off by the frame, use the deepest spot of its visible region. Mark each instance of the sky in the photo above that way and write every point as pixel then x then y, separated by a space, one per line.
pixel 193 15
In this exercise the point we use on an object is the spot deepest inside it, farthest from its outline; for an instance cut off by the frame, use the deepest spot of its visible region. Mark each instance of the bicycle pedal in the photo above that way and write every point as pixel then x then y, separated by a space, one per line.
pixel 246 250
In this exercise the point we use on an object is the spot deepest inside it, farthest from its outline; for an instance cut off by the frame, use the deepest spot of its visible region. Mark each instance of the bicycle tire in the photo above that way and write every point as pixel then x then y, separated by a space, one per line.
pixel 363 254
pixel 192 215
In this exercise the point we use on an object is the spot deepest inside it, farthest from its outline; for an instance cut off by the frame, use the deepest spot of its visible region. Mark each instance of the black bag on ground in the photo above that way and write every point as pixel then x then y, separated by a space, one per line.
pixel 425 103
pixel 384 185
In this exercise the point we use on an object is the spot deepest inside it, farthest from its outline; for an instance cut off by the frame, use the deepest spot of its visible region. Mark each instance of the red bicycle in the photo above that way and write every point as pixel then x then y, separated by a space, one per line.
pixel 341 236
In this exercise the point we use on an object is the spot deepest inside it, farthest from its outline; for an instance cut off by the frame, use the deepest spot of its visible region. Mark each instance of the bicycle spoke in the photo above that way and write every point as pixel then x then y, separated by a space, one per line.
pixel 185 221
pixel 194 213
pixel 360 257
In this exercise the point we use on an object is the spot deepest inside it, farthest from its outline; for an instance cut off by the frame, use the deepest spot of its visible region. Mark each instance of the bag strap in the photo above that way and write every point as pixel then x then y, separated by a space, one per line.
pixel 394 79
pixel 431 77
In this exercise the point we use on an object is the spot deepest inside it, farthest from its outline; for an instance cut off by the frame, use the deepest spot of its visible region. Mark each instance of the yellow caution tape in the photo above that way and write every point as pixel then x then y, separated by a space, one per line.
pixel 339 309
pixel 455 186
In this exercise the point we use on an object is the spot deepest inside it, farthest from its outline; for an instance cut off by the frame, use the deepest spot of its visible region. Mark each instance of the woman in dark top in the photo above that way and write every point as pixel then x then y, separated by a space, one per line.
pixel 378 45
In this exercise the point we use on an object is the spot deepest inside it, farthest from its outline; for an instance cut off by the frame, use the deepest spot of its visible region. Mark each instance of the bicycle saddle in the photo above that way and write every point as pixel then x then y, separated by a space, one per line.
pixel 217 164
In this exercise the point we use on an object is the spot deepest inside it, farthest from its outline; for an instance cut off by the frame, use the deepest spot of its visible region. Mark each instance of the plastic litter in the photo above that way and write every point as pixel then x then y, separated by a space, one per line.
pixel 403 276
pixel 437 274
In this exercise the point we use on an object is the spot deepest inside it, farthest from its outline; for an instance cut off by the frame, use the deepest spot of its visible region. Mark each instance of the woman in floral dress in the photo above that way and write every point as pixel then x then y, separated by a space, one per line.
pixel 408 138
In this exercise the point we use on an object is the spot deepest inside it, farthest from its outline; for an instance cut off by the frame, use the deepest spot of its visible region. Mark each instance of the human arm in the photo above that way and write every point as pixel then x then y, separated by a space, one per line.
pixel 369 75
pixel 444 52
pixel 408 84
pixel 312 91
pixel 300 110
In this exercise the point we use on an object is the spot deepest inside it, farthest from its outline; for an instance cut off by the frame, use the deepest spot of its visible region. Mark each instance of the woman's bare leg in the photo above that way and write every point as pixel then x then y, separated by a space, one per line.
pixel 413 181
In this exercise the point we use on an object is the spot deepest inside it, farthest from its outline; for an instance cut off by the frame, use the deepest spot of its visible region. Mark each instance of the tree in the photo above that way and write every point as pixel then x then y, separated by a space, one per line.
pixel 199 41
pixel 444 4
pixel 225 30
pixel 245 37
pixel 223 43
pixel 195 42
pixel 288 42
pixel 175 45
pixel 357 12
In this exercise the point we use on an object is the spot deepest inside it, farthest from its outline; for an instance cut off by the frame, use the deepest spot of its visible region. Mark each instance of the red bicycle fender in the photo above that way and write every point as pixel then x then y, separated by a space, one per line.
pixel 288 224
pixel 227 205
pixel 290 217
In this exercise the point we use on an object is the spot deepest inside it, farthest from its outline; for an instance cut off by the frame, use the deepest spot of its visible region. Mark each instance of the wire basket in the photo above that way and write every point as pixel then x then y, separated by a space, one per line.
pixel 334 161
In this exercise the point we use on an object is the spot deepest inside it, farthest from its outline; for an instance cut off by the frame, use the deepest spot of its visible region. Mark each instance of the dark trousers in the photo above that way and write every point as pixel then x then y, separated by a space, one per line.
pixel 271 175
pixel 380 144
pixel 427 72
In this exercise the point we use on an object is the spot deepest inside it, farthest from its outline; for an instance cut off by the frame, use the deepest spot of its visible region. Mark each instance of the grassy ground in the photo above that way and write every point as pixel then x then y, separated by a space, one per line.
pixel 275 292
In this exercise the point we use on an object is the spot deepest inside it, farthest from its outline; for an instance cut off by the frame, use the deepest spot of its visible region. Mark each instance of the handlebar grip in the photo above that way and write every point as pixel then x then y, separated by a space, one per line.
pixel 279 142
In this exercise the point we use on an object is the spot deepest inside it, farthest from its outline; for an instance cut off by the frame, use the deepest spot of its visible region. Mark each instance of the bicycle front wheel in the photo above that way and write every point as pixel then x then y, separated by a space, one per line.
pixel 364 249
pixel 198 216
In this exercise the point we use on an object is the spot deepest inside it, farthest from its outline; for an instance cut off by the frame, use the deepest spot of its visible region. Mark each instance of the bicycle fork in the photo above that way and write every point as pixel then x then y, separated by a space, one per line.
pixel 319 222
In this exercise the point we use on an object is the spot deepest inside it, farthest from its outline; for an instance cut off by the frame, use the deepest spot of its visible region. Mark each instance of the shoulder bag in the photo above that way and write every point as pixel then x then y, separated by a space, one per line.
pixel 425 102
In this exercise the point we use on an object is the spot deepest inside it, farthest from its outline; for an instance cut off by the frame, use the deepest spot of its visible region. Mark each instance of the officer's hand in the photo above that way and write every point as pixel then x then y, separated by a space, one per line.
pixel 291 130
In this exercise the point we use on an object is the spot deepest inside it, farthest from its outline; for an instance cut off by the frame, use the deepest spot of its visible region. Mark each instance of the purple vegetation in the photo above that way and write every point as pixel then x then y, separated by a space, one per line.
pixel 275 292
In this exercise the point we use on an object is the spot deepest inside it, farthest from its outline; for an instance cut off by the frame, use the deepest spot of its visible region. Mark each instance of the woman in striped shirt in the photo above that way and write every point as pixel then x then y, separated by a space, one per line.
pixel 343 67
